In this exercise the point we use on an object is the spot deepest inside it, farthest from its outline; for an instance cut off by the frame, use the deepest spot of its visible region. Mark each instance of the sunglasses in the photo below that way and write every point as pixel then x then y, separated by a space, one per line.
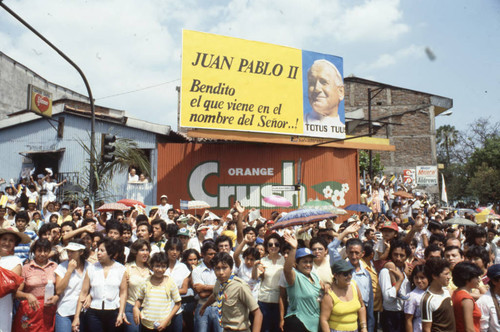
pixel 273 244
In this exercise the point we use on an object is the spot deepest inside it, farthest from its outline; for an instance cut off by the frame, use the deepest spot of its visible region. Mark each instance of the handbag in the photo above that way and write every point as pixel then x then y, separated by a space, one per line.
pixel 9 281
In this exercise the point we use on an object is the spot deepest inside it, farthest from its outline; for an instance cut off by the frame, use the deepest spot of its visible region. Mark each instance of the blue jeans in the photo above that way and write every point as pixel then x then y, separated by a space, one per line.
pixel 63 324
pixel 175 324
pixel 270 316
pixel 209 320
pixel 129 313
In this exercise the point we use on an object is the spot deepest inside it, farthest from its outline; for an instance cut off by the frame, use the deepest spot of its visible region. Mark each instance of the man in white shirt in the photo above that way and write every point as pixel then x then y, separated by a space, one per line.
pixel 489 303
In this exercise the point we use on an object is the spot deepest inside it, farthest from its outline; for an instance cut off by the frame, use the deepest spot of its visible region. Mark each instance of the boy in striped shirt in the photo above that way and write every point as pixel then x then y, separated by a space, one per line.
pixel 159 297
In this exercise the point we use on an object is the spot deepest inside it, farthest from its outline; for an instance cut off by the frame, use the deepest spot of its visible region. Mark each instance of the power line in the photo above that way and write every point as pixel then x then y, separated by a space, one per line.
pixel 137 90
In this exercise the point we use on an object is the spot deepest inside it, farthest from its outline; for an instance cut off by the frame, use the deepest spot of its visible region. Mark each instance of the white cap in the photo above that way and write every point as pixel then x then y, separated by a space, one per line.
pixel 73 246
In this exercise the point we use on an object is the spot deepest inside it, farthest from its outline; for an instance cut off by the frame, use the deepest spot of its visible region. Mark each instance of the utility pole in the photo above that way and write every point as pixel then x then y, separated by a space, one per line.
pixel 89 91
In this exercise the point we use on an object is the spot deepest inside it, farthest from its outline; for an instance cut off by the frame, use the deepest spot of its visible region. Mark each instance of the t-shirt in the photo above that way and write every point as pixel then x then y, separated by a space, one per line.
pixel 438 309
pixel 303 300
pixel 157 300
pixel 412 307
pixel 457 298
pixel 269 291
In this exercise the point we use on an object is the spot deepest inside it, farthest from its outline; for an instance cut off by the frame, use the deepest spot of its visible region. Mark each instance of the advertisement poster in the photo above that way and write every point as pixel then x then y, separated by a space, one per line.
pixel 409 176
pixel 427 175
pixel 39 101
pixel 236 84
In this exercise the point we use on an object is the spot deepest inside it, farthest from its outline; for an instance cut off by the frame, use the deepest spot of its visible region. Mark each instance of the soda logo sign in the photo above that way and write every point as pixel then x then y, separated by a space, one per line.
pixel 250 195
pixel 42 102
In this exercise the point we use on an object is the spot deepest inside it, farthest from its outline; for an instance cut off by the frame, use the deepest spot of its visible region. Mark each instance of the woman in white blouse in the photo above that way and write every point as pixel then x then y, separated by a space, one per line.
pixel 107 286
pixel 69 281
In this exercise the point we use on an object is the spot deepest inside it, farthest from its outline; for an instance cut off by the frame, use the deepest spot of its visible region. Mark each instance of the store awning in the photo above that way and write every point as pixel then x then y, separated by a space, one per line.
pixel 38 152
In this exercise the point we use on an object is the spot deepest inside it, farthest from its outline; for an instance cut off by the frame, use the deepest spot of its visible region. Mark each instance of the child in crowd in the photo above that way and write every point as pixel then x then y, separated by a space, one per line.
pixel 156 297
pixel 233 296
pixel 413 315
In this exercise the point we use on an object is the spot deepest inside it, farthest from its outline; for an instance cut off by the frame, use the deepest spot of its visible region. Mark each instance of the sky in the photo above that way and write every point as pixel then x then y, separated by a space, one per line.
pixel 130 50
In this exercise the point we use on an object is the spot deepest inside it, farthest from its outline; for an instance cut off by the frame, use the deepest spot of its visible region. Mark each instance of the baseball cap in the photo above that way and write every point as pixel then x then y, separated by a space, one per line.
pixel 65 207
pixel 183 232
pixel 164 196
pixel 303 252
pixel 341 266
pixel 390 225
pixel 493 271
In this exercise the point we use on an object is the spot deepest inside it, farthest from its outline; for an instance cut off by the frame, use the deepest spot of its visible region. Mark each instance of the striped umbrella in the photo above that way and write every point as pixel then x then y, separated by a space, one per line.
pixel 302 216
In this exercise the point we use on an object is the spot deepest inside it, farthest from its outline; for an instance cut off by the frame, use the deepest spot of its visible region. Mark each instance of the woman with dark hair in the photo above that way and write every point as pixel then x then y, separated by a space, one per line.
pixel 69 281
pixel 467 313
pixel 106 283
pixel 179 273
pixel 321 262
pixel 190 257
pixel 137 271
pixel 34 313
pixel 269 270
pixel 395 287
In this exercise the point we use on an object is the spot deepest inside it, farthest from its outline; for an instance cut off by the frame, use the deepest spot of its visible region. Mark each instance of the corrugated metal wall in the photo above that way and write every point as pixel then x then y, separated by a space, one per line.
pixel 219 173
pixel 39 135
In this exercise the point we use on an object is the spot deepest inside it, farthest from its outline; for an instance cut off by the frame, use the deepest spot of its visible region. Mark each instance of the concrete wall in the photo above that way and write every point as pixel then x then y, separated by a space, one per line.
pixel 14 80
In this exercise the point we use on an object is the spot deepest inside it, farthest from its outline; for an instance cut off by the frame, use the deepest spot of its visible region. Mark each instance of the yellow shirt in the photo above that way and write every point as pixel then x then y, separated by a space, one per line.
pixel 344 315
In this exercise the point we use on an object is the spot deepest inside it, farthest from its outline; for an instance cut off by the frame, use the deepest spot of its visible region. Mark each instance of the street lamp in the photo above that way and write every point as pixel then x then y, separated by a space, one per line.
pixel 92 123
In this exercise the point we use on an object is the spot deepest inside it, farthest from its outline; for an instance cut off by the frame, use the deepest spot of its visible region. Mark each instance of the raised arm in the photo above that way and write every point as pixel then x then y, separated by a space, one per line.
pixel 239 222
pixel 290 260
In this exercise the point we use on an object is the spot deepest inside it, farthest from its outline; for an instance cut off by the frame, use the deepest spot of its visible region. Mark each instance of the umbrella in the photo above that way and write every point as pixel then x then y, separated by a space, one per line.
pixel 460 221
pixel 358 208
pixel 197 205
pixel 112 207
pixel 323 205
pixel 277 200
pixel 403 194
pixel 131 202
pixel 302 216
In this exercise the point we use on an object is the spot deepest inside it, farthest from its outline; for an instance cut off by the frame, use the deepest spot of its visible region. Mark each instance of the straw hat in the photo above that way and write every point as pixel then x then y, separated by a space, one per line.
pixel 24 238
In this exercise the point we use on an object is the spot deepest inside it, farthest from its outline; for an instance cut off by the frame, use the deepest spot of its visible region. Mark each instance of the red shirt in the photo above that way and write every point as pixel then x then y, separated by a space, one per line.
pixel 457 298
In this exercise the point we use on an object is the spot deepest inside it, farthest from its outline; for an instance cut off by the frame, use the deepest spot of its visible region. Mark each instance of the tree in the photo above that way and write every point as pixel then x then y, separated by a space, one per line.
pixel 364 162
pixel 126 153
pixel 484 185
pixel 446 139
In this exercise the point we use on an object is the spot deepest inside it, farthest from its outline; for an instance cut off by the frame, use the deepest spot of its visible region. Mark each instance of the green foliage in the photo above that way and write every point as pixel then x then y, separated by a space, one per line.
pixel 364 162
pixel 127 153
pixel 485 184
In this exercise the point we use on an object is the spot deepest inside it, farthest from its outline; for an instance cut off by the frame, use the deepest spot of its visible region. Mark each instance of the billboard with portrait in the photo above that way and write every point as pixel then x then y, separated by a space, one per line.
pixel 236 84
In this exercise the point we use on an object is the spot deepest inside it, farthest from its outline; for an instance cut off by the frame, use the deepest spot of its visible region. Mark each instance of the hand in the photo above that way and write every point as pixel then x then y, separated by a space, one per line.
pixel 33 302
pixel 163 325
pixel 248 238
pixel 137 316
pixel 119 320
pixel 282 324
pixel 125 319
pixel 86 302
pixel 51 301
pixel 75 326
pixel 291 240
pixel 353 228
pixel 72 264
pixel 238 207
pixel 397 273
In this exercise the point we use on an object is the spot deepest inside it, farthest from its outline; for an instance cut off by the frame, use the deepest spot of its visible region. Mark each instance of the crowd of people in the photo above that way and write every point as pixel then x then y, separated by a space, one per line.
pixel 400 268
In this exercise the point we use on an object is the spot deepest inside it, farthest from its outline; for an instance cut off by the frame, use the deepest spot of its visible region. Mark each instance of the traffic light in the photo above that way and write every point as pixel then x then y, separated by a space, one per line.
pixel 107 149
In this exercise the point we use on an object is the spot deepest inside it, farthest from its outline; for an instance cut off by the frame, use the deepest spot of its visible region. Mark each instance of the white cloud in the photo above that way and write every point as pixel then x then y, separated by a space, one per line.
pixel 126 45
pixel 390 59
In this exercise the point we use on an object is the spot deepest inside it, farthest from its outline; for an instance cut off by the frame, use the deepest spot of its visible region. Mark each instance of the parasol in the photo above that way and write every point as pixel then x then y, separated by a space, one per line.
pixel 460 221
pixel 323 205
pixel 302 216
pixel 197 205
pixel 112 207
pixel 403 194
pixel 277 200
pixel 131 202
pixel 358 208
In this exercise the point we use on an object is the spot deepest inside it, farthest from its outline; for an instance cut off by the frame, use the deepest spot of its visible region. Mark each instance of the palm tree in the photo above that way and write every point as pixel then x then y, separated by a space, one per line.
pixel 446 139
pixel 126 153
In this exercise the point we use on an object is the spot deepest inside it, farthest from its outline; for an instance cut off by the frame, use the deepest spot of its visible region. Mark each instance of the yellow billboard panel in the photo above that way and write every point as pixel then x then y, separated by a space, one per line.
pixel 235 84
pixel 39 101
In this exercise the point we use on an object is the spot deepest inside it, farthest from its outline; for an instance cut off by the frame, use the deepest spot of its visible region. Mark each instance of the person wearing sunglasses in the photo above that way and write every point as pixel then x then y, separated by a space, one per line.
pixel 343 305
pixel 269 270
